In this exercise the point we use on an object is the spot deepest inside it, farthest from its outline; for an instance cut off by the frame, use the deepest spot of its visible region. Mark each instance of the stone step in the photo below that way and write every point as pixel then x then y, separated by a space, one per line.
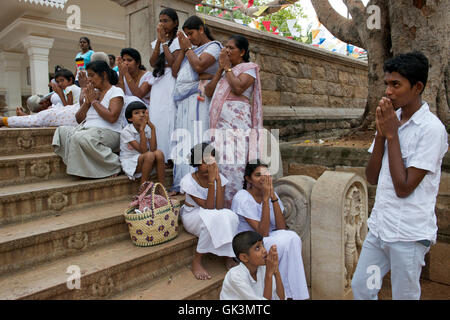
pixel 104 272
pixel 19 203
pixel 181 285
pixel 50 238
pixel 29 168
pixel 17 141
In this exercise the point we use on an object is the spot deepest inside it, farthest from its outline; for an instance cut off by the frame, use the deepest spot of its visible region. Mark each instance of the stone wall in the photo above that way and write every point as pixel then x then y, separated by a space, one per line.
pixel 296 74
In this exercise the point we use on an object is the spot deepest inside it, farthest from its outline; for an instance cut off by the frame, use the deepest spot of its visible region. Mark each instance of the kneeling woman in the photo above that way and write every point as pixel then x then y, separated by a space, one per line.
pixel 88 149
pixel 203 213
pixel 260 209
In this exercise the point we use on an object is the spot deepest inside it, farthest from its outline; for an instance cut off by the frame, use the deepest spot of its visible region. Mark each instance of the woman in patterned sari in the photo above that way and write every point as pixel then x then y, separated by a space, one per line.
pixel 236 112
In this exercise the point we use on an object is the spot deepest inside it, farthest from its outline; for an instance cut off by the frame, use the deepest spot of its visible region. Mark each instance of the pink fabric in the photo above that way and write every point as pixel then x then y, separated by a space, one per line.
pixel 223 90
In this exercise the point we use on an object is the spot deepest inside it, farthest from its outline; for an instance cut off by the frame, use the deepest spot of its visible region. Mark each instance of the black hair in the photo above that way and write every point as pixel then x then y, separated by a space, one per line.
pixel 99 67
pixel 251 166
pixel 135 105
pixel 111 56
pixel 61 72
pixel 134 54
pixel 413 66
pixel 158 71
pixel 242 242
pixel 87 40
pixel 199 151
pixel 194 23
pixel 241 43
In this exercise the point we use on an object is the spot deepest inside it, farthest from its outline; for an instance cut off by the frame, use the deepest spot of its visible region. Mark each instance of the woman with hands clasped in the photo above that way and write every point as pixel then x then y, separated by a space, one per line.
pixel 260 209
pixel 134 80
pixel 162 108
pixel 199 54
pixel 203 213
pixel 88 150
pixel 236 105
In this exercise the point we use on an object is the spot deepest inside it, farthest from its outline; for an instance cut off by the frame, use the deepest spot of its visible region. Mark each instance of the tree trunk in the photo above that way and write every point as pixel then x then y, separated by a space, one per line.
pixel 424 26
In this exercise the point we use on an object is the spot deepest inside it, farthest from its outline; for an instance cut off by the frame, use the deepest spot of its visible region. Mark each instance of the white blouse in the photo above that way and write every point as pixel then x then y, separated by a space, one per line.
pixel 93 119
pixel 245 206
pixel 189 186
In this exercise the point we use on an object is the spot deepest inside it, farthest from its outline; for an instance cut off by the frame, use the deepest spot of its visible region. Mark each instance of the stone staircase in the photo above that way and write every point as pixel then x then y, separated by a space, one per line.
pixel 52 224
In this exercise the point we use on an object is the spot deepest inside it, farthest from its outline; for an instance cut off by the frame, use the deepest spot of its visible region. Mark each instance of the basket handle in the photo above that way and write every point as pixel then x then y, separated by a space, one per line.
pixel 144 193
pixel 155 185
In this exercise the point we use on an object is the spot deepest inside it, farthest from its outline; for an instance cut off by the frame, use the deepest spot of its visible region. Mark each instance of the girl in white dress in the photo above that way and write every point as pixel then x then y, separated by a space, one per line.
pixel 138 145
pixel 134 80
pixel 203 213
pixel 65 91
pixel 166 49
pixel 260 209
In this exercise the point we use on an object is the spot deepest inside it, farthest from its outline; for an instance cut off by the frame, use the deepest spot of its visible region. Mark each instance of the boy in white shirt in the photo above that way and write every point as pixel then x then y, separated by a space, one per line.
pixel 257 276
pixel 405 164
pixel 138 145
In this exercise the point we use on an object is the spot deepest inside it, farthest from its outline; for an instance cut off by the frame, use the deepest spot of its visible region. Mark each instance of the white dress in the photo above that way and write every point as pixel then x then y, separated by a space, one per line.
pixel 214 228
pixel 289 244
pixel 147 76
pixel 129 155
pixel 162 106
pixel 56 100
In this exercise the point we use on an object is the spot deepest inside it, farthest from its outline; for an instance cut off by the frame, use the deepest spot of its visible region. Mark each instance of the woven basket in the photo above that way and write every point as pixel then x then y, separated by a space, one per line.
pixel 155 226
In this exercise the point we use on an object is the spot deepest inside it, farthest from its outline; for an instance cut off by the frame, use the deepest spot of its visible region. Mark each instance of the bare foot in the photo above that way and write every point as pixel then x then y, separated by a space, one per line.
pixel 173 193
pixel 114 175
pixel 198 270
pixel 230 263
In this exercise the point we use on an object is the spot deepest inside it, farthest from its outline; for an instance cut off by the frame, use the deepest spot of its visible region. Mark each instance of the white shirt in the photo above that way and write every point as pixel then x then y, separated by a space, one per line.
pixel 94 120
pixel 174 46
pixel 128 134
pixel 239 284
pixel 189 186
pixel 76 91
pixel 245 206
pixel 423 144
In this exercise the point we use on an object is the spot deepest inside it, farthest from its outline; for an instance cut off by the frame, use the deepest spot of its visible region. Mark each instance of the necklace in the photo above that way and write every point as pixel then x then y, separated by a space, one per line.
pixel 199 180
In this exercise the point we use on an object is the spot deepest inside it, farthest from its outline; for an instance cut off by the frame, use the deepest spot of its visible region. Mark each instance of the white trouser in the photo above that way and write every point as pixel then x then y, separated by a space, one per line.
pixel 405 259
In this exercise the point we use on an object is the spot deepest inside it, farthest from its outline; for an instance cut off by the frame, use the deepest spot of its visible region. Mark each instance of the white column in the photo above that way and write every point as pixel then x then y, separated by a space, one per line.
pixel 12 67
pixel 38 49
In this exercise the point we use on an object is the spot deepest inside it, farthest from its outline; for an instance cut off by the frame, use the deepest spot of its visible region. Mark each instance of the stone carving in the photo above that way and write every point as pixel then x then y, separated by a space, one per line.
pixel 353 216
pixel 25 141
pixel 21 167
pixel 338 229
pixel 57 201
pixel 40 169
pixel 78 241
pixel 103 287
pixel 295 193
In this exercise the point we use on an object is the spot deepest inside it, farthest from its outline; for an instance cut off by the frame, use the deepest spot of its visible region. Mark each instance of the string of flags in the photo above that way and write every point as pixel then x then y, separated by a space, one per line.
pixel 321 37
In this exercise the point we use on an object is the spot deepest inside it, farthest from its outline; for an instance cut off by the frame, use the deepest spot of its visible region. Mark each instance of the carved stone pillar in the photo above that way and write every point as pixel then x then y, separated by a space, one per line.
pixel 38 49
pixel 338 228
pixel 12 64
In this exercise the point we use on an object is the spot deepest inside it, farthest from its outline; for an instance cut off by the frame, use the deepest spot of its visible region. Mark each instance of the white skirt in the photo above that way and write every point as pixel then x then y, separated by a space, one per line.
pixel 214 228
pixel 162 110
pixel 289 248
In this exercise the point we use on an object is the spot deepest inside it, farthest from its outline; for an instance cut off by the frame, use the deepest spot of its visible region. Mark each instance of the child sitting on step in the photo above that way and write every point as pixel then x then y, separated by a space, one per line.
pixel 257 276
pixel 203 213
pixel 138 145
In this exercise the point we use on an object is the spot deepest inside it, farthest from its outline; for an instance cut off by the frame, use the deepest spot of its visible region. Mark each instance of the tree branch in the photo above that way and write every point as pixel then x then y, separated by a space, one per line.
pixel 342 28
pixel 272 7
